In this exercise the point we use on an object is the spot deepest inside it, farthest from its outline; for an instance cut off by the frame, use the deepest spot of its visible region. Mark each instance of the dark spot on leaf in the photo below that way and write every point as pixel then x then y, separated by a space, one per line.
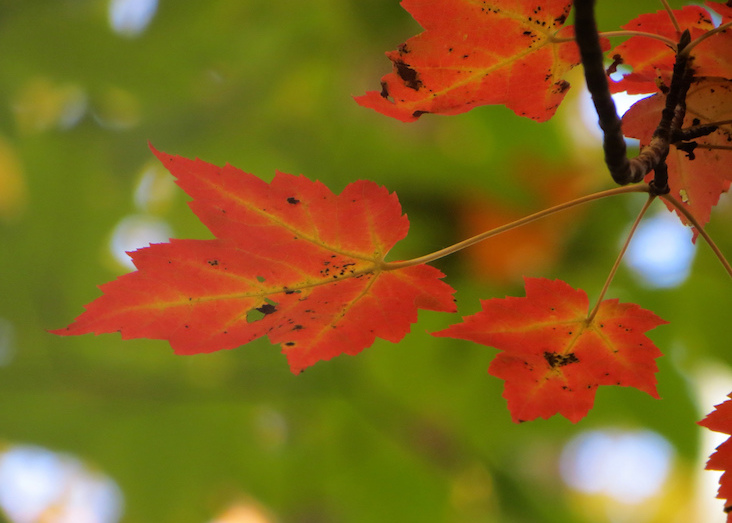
pixel 213 263
pixel 384 90
pixel 293 201
pixel 408 75
pixel 560 360
pixel 267 308
pixel 417 114
pixel 561 86
pixel 290 343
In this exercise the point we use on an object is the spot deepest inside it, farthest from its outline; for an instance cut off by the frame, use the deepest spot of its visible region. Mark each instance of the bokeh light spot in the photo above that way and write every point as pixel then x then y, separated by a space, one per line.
pixel 661 251
pixel 623 102
pixel 131 17
pixel 136 231
pixel 628 466
pixel 37 484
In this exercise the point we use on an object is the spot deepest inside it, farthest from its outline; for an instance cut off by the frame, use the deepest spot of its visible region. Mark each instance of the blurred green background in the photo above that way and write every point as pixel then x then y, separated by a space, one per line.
pixel 414 432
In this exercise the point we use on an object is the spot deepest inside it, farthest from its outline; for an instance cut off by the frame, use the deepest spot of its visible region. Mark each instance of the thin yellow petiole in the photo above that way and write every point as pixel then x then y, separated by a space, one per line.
pixel 703 37
pixel 683 210
pixel 614 269
pixel 672 16
pixel 610 34
pixel 390 266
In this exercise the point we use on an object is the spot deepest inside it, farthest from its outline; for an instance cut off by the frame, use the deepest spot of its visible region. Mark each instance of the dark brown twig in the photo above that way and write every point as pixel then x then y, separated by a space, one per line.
pixel 653 156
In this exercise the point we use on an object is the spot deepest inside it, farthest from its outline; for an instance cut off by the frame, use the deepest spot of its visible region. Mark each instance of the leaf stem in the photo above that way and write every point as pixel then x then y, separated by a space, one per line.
pixel 390 266
pixel 611 34
pixel 683 210
pixel 667 41
pixel 614 269
pixel 703 37
pixel 672 16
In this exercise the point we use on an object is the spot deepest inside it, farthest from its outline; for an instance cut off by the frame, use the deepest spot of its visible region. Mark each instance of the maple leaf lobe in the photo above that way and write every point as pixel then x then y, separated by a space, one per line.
pixel 720 420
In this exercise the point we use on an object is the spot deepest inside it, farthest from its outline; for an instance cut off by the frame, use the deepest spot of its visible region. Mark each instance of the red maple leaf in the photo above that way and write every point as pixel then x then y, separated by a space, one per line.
pixel 698 177
pixel 720 420
pixel 476 53
pixel 652 60
pixel 291 260
pixel 553 358
pixel 724 10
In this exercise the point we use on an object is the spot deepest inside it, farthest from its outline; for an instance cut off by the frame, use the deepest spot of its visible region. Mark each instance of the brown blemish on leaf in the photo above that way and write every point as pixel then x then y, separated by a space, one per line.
pixel 409 76
pixel 560 360
pixel 267 308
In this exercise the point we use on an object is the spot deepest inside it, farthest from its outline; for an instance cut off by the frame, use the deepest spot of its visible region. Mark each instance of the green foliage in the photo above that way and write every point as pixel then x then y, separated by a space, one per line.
pixel 416 432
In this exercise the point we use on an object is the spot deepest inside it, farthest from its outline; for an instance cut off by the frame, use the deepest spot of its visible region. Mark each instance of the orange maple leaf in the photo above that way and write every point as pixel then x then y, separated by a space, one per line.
pixel 553 358
pixel 652 60
pixel 720 420
pixel 291 260
pixel 697 178
pixel 476 53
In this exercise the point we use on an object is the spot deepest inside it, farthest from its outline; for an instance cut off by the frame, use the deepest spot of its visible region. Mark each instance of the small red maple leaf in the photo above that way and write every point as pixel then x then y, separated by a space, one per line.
pixel 653 60
pixel 291 260
pixel 699 176
pixel 720 420
pixel 553 358
pixel 510 52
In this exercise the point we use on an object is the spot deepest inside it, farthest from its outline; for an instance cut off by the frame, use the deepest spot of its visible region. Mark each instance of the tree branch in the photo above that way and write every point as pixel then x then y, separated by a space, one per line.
pixel 653 156
pixel 592 60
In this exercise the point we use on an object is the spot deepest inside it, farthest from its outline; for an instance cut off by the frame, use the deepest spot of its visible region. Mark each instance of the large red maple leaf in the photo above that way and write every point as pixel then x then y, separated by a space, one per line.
pixel 476 53
pixel 720 420
pixel 291 260
pixel 696 178
pixel 552 358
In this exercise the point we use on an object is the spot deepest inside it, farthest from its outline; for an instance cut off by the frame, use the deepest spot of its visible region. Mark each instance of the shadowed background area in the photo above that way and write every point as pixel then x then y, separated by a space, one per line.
pixel 96 430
